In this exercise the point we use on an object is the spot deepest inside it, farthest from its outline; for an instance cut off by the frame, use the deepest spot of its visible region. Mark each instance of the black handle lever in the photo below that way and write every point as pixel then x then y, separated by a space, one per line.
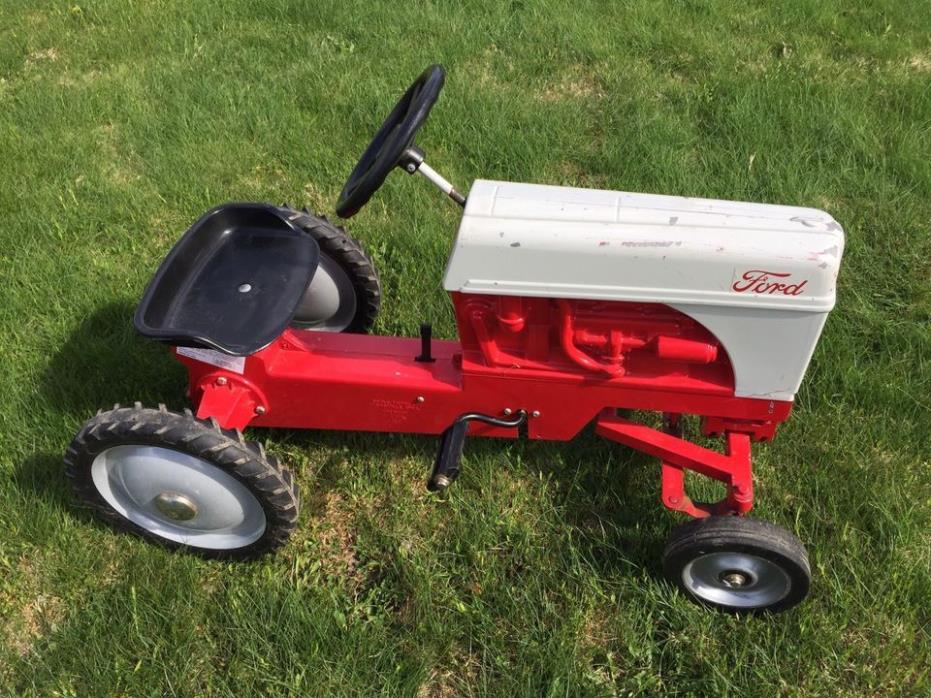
pixel 446 467
pixel 426 344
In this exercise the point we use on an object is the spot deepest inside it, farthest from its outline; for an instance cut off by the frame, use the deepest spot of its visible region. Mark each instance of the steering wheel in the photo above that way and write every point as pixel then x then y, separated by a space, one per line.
pixel 394 137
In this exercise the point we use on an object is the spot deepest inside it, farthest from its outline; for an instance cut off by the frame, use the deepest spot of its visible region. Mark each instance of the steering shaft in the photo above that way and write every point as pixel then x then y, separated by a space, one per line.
pixel 413 161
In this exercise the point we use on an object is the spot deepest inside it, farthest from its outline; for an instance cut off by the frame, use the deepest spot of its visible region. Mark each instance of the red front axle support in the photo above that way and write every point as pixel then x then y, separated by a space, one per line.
pixel 677 455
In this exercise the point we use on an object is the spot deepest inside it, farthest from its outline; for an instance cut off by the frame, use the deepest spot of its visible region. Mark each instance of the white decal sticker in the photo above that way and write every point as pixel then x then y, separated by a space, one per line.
pixel 236 364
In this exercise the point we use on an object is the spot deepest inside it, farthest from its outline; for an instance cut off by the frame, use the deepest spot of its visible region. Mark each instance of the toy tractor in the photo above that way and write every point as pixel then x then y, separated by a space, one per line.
pixel 573 306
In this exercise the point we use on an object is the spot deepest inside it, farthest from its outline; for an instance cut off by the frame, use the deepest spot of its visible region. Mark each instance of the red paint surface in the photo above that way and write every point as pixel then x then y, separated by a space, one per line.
pixel 566 361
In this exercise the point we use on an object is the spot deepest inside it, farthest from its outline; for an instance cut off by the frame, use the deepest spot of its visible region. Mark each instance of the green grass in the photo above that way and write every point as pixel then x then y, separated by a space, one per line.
pixel 120 122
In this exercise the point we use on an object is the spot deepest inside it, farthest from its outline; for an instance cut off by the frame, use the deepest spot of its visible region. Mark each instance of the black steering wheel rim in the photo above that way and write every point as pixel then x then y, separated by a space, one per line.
pixel 394 137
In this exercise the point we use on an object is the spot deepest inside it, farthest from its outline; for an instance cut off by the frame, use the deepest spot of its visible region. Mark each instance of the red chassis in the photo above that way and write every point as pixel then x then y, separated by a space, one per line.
pixel 565 363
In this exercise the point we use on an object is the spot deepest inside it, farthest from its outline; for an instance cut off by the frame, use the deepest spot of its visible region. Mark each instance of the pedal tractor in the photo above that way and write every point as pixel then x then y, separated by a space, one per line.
pixel 573 306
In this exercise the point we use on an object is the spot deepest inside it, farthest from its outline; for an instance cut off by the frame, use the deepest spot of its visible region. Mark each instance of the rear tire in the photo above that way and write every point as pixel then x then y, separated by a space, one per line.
pixel 182 482
pixel 737 564
pixel 350 271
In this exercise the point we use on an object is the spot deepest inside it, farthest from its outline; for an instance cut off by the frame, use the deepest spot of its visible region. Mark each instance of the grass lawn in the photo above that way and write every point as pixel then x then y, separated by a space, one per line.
pixel 120 122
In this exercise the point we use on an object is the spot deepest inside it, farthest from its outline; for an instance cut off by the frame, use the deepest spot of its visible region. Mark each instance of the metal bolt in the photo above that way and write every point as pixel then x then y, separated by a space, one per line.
pixel 222 380
pixel 411 167
pixel 735 579
pixel 260 410
pixel 420 399
pixel 535 413
pixel 508 411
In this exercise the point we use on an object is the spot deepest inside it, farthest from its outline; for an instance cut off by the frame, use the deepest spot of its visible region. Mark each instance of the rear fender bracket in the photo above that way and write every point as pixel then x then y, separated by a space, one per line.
pixel 232 400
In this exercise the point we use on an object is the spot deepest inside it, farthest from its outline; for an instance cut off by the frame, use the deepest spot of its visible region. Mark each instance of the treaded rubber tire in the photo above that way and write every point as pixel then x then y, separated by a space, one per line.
pixel 226 449
pixel 741 535
pixel 348 254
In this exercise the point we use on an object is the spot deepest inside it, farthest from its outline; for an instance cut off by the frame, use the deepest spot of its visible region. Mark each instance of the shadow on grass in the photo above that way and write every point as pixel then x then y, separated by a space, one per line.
pixel 608 493
pixel 105 361
pixel 41 478
pixel 38 489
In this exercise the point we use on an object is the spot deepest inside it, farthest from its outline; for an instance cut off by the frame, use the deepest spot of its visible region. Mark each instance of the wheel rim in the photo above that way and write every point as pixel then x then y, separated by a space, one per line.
pixel 736 580
pixel 178 497
pixel 329 304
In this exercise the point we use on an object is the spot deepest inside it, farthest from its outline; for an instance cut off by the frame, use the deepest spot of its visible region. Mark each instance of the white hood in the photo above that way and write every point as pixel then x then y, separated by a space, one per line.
pixel 560 242
pixel 760 277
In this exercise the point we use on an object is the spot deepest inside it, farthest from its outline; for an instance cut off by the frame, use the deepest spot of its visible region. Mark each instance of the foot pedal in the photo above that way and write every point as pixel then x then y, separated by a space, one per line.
pixel 446 466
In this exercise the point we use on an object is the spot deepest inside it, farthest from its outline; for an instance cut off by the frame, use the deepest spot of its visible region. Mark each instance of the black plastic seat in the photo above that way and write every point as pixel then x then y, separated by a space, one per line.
pixel 232 282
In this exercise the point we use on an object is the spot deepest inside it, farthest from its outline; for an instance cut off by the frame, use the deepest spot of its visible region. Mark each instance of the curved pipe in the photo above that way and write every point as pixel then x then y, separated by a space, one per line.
pixel 566 340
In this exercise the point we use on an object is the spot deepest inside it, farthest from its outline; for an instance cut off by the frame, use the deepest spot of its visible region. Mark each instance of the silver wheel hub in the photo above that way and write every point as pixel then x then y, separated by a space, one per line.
pixel 329 304
pixel 178 496
pixel 736 580
pixel 176 506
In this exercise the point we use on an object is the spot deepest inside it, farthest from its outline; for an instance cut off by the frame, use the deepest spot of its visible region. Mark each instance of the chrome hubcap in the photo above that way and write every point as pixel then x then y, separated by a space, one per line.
pixel 176 506
pixel 178 496
pixel 737 580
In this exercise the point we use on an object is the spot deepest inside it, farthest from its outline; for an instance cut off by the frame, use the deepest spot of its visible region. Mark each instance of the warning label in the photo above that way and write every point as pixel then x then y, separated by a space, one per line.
pixel 236 364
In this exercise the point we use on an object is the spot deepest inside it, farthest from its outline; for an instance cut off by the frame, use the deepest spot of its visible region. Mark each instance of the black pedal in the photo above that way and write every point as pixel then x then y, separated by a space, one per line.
pixel 446 466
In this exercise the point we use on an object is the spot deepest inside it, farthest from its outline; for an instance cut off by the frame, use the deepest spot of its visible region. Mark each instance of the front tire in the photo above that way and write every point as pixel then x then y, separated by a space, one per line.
pixel 737 564
pixel 182 482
